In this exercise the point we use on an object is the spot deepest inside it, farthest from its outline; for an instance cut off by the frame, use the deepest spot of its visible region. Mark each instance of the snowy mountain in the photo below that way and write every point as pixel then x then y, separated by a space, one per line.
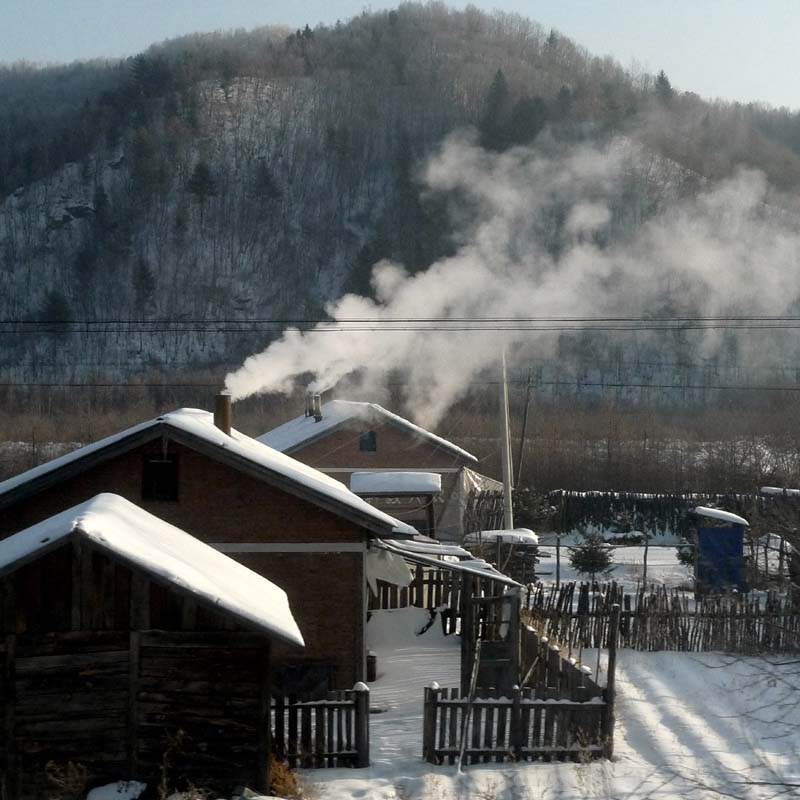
pixel 217 180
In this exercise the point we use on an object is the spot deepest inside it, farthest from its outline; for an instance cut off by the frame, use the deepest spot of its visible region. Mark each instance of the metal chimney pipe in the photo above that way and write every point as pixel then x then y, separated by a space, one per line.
pixel 223 413
pixel 317 408
pixel 309 404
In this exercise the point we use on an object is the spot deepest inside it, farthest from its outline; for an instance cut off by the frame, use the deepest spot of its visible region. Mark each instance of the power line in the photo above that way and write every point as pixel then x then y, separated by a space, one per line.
pixel 382 320
pixel 391 326
pixel 566 384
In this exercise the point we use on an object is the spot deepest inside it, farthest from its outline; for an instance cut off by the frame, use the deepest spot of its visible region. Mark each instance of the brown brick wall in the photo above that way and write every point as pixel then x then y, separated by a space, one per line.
pixel 326 595
pixel 397 449
pixel 216 503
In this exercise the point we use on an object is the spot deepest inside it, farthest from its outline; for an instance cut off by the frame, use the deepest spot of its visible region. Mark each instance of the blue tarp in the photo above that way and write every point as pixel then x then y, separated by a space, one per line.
pixel 720 559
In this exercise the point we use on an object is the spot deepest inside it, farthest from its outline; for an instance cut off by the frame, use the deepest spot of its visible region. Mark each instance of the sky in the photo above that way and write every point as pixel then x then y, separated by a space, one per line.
pixel 733 49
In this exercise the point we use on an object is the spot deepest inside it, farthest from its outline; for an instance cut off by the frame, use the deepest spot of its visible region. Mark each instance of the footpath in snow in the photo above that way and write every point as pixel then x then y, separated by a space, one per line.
pixel 688 726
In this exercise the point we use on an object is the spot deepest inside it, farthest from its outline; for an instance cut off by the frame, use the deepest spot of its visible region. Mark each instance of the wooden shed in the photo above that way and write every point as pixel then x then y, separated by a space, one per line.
pixel 126 643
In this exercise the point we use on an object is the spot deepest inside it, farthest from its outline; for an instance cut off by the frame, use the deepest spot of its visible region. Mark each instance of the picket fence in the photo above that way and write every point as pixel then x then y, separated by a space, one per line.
pixel 324 732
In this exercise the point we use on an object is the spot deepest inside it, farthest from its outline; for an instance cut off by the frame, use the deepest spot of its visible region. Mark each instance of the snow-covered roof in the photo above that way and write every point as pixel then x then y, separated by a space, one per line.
pixel 515 536
pixel 302 430
pixel 722 516
pixel 200 427
pixel 394 483
pixel 164 552
pixel 779 490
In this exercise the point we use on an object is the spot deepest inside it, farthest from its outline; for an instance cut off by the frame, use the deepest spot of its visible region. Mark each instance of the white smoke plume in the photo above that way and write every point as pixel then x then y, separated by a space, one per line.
pixel 722 249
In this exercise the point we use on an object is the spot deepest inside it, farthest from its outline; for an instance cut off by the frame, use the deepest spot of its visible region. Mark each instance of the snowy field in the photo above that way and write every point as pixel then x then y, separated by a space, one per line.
pixel 688 726
pixel 663 567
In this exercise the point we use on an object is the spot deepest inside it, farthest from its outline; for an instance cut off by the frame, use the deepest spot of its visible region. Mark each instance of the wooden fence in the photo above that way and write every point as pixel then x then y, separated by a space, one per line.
pixel 436 589
pixel 430 588
pixel 666 619
pixel 527 726
pixel 328 732
pixel 558 713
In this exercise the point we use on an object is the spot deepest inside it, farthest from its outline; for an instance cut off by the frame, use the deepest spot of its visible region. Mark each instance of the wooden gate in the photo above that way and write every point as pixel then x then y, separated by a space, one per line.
pixel 493 616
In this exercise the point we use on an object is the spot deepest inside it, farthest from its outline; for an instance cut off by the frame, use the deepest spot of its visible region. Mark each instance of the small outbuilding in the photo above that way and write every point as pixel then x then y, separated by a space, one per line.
pixel 128 645
pixel 719 562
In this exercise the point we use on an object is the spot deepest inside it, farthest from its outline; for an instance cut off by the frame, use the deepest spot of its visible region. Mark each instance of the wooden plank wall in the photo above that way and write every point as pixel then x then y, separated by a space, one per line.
pixel 207 686
pixel 70 696
pixel 85 678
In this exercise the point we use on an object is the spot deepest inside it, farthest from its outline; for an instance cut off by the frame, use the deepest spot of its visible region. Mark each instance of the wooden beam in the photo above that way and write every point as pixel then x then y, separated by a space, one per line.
pixel 264 750
pixel 133 704
pixel 9 708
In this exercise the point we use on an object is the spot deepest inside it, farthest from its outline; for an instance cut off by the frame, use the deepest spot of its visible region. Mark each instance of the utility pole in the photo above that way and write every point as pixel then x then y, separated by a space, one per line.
pixel 508 508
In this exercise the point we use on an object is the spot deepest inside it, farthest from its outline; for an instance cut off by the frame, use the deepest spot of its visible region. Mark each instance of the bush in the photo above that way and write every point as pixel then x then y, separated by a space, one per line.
pixel 282 780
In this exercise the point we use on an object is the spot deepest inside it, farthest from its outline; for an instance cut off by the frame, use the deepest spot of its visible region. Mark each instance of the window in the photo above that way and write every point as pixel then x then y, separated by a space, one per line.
pixel 160 478
pixel 368 442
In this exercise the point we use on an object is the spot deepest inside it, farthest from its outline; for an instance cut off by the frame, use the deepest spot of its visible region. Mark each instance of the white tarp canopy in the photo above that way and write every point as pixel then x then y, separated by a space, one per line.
pixel 383 565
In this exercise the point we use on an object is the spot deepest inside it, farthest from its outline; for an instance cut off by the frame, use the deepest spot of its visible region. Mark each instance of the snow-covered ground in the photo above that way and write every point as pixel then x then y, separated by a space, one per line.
pixel 663 566
pixel 688 726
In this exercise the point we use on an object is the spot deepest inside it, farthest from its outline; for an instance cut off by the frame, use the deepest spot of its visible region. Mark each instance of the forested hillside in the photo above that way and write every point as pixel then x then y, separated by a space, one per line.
pixel 218 179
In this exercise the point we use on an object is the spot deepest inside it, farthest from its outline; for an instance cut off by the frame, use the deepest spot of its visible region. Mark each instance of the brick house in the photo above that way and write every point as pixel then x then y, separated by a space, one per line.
pixel 301 529
pixel 341 437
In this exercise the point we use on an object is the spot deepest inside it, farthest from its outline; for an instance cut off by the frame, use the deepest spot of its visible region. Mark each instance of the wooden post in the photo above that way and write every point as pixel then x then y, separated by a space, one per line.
pixel 610 692
pixel 558 560
pixel 467 629
pixel 76 604
pixel 361 696
pixel 429 723
pixel 264 750
pixel 134 642
pixel 515 636
pixel 516 733
pixel 8 665
pixel 468 710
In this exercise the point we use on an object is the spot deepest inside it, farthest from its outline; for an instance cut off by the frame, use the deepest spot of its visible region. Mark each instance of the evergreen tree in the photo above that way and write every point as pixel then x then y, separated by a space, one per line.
pixel 493 125
pixel 202 185
pixel 264 186
pixel 663 88
pixel 528 117
pixel 56 311
pixel 592 556
pixel 144 286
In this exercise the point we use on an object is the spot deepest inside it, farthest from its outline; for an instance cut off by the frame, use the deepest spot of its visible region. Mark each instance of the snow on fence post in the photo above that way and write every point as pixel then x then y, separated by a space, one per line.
pixel 430 710
pixel 361 695
pixel 516 733
pixel 610 692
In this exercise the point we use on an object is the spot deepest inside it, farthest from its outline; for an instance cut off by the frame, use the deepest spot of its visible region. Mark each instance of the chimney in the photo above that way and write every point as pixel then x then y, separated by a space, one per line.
pixel 222 412
pixel 309 404
pixel 317 408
